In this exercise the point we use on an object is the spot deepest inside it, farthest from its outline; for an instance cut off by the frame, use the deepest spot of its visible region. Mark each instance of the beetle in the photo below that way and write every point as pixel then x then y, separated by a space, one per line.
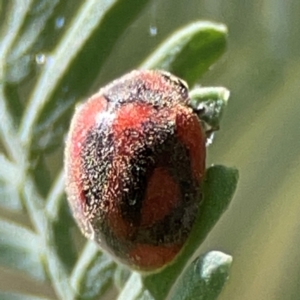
pixel 134 162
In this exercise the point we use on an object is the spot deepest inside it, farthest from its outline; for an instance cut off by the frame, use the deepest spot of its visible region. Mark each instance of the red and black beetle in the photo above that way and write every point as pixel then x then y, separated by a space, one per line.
pixel 134 160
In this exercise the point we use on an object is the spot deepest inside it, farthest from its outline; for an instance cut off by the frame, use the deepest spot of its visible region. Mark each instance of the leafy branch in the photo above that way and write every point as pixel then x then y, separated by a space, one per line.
pixel 33 126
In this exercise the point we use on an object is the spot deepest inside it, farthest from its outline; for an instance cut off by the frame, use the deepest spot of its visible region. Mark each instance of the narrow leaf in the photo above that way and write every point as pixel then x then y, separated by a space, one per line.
pixel 134 289
pixel 8 136
pixel 56 268
pixel 210 102
pixel 21 249
pixel 19 60
pixel 9 195
pixel 14 18
pixel 8 170
pixel 190 51
pixel 63 238
pixel 204 278
pixel 58 212
pixel 121 275
pixel 93 273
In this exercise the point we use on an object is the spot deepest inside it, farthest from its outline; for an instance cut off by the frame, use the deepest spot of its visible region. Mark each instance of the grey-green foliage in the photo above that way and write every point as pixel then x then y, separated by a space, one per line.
pixel 47 64
pixel 204 278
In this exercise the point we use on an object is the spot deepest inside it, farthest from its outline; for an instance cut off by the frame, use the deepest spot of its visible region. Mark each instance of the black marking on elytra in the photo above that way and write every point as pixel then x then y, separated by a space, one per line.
pixel 167 152
pixel 97 156
pixel 175 227
pixel 143 160
pixel 139 168
pixel 104 236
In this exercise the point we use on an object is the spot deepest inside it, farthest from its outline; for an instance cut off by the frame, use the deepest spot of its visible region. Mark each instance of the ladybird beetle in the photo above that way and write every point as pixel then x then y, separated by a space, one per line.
pixel 134 161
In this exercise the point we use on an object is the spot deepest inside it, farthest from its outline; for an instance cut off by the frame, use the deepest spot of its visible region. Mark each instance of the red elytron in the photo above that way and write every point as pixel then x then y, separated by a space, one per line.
pixel 134 160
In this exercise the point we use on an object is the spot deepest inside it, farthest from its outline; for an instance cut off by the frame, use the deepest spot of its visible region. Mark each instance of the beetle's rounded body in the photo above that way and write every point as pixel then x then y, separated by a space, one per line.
pixel 134 160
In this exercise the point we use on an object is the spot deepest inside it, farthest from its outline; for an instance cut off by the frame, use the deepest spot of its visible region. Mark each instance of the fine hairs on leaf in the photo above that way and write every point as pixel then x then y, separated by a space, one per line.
pixel 50 55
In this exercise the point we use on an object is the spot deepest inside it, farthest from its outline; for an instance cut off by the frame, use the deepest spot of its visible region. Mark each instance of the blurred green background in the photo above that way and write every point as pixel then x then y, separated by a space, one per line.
pixel 259 133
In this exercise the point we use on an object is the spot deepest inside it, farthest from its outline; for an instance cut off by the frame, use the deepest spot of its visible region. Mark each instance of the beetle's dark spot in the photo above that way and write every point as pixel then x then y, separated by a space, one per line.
pixel 97 157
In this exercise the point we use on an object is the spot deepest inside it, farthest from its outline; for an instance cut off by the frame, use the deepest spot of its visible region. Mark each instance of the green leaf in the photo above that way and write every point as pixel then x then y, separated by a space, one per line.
pixel 210 102
pixel 93 273
pixel 218 189
pixel 21 249
pixel 62 236
pixel 14 296
pixel 57 269
pixel 9 197
pixel 204 278
pixel 19 62
pixel 8 170
pixel 134 289
pixel 57 210
pixel 121 275
pixel 41 174
pixel 189 52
